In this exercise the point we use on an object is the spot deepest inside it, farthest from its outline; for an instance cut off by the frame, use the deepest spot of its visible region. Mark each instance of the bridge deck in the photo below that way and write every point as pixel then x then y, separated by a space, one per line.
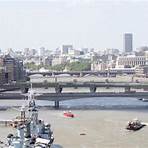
pixel 77 84
pixel 70 96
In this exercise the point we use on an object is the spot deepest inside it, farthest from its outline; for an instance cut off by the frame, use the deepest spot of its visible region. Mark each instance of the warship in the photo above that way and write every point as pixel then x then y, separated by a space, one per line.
pixel 31 132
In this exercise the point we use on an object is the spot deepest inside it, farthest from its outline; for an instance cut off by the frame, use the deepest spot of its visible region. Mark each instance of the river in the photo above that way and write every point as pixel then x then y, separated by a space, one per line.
pixel 101 121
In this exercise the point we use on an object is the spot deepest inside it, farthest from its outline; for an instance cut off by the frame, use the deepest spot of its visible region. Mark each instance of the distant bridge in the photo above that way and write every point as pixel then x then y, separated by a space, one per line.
pixel 80 73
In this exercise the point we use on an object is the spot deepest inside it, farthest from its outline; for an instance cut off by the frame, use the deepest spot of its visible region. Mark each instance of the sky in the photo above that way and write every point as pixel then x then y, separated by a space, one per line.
pixel 95 24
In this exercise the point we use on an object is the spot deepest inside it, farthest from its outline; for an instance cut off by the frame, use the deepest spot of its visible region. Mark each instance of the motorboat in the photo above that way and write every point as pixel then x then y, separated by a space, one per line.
pixel 134 125
pixel 68 114
pixel 143 99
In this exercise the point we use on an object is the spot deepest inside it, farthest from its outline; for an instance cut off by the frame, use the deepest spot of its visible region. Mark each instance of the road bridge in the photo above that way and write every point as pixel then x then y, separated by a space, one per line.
pixel 57 97
pixel 60 85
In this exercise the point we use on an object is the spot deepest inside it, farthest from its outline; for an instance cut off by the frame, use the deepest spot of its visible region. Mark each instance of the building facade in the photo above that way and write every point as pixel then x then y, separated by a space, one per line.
pixel 65 49
pixel 132 61
pixel 14 70
pixel 128 42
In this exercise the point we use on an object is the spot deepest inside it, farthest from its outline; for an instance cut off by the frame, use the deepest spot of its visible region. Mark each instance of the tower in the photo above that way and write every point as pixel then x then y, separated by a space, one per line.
pixel 128 42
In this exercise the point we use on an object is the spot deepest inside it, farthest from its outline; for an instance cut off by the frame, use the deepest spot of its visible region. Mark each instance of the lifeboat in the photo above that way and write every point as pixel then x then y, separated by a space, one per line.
pixel 68 114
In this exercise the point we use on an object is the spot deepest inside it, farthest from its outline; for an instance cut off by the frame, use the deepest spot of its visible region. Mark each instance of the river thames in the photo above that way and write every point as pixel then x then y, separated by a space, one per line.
pixel 98 123
pixel 101 120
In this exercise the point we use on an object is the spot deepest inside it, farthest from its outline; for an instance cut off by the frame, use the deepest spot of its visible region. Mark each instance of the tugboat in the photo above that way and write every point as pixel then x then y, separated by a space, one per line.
pixel 31 132
pixel 134 125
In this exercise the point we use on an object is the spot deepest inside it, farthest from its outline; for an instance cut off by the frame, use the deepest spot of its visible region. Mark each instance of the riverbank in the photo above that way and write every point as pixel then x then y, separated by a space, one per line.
pixel 90 128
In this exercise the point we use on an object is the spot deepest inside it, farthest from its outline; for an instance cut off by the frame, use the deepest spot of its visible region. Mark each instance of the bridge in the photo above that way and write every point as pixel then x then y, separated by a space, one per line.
pixel 58 86
pixel 57 97
pixel 79 73
pixel 60 95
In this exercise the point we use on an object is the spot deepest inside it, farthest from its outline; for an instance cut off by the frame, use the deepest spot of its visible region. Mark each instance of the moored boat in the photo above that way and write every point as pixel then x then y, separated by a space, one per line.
pixel 31 131
pixel 134 125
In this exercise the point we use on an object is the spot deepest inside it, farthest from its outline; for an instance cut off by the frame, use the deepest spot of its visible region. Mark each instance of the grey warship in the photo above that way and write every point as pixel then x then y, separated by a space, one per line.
pixel 31 132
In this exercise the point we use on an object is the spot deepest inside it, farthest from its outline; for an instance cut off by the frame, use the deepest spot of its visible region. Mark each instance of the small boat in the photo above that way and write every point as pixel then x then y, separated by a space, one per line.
pixel 140 99
pixel 145 100
pixel 134 125
pixel 68 114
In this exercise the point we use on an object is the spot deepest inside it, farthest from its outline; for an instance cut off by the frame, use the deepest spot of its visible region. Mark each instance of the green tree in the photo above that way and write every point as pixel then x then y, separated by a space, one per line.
pixel 79 66
pixel 31 66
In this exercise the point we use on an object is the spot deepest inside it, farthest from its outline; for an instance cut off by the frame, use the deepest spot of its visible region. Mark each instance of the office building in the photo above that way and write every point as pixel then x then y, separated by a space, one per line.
pixel 128 42
pixel 13 68
pixel 65 49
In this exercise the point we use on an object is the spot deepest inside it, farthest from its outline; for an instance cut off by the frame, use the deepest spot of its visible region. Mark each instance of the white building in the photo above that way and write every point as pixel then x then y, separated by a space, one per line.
pixel 42 52
pixel 130 60
pixel 98 66
pixel 59 60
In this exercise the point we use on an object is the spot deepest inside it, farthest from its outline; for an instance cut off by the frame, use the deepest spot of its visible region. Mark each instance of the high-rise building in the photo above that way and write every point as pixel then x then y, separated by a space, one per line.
pixel 42 52
pixel 65 49
pixel 13 68
pixel 128 42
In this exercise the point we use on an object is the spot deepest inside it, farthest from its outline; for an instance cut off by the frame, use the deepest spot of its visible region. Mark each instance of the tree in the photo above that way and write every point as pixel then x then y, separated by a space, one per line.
pixel 79 66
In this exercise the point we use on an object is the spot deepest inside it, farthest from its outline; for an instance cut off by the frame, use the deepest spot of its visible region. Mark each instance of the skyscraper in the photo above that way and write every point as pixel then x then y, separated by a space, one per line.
pixel 128 42
pixel 66 48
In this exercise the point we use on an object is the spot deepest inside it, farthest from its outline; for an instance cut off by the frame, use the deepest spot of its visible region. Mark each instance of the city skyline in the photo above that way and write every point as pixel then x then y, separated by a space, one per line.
pixel 87 23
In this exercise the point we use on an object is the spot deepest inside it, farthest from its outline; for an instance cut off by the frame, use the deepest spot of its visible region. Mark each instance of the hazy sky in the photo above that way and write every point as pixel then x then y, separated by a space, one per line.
pixel 83 23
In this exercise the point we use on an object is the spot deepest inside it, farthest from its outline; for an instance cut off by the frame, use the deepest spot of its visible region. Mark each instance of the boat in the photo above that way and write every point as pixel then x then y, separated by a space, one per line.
pixel 68 114
pixel 17 120
pixel 145 100
pixel 31 132
pixel 3 108
pixel 134 125
pixel 140 99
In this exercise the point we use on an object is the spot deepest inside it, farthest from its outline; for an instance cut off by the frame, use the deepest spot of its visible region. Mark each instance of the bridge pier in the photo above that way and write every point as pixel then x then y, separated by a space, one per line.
pixel 57 104
pixel 127 89
pixel 92 89
pixel 53 74
pixel 25 90
pixel 45 82
pixel 81 74
pixel 58 89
